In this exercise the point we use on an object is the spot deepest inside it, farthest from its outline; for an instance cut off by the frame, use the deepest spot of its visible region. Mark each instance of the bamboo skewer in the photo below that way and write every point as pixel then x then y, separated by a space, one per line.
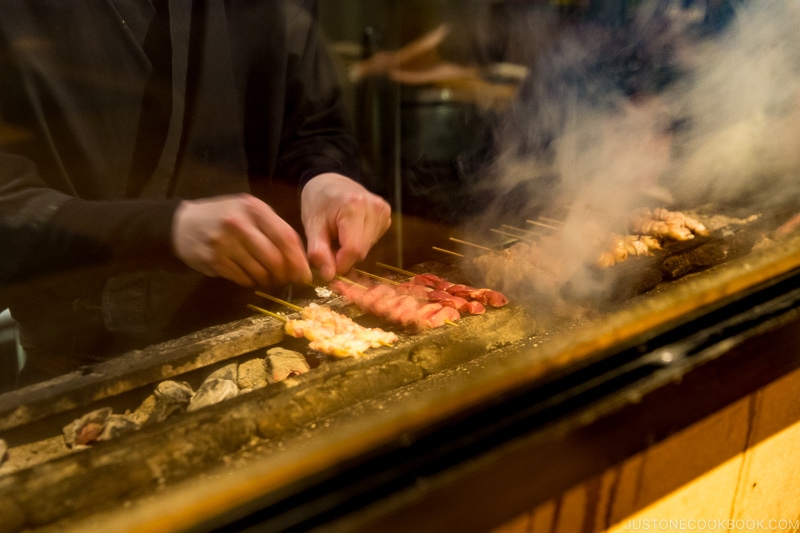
pixel 447 251
pixel 278 300
pixel 508 234
pixel 395 269
pixel 479 246
pixel 553 220
pixel 525 231
pixel 376 277
pixel 268 313
pixel 542 224
pixel 351 282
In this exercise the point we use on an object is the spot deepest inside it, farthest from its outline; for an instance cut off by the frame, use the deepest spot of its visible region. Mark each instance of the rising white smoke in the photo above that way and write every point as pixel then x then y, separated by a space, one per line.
pixel 660 114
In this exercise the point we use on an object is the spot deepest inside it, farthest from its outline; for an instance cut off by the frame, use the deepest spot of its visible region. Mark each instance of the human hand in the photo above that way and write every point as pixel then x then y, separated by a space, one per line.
pixel 240 238
pixel 338 211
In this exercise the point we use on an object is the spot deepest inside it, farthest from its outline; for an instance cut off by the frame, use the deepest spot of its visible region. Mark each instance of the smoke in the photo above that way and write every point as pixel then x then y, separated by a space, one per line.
pixel 741 103
pixel 665 109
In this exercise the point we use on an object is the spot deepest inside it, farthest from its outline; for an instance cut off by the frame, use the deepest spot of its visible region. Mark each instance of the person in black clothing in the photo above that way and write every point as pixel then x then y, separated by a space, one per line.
pixel 135 132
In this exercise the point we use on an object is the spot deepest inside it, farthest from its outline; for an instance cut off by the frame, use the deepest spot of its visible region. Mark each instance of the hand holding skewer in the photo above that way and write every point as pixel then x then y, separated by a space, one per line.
pixel 342 221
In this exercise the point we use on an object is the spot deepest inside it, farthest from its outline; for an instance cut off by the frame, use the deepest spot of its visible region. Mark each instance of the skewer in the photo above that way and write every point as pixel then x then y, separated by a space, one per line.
pixel 395 269
pixel 507 234
pixel 525 231
pixel 278 300
pixel 553 220
pixel 410 274
pixel 351 282
pixel 268 313
pixel 376 277
pixel 447 251
pixel 542 224
pixel 481 247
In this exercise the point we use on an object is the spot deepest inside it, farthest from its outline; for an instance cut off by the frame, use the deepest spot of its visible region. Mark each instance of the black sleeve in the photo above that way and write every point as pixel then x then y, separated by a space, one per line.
pixel 84 232
pixel 44 231
pixel 317 136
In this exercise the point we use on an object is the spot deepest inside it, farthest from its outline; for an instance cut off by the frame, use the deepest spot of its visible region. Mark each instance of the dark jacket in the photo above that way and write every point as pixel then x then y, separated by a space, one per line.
pixel 111 111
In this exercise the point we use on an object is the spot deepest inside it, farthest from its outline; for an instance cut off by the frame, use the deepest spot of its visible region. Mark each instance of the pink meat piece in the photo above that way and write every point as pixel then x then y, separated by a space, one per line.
pixel 448 300
pixel 473 307
pixel 420 292
pixel 443 285
pixel 490 297
pixel 427 279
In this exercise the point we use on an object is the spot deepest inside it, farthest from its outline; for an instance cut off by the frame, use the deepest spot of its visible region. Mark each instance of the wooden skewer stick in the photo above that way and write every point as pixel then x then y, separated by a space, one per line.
pixel 553 220
pixel 278 300
pixel 450 323
pixel 525 231
pixel 507 234
pixel 542 224
pixel 268 313
pixel 447 251
pixel 472 244
pixel 373 276
pixel 351 282
pixel 395 269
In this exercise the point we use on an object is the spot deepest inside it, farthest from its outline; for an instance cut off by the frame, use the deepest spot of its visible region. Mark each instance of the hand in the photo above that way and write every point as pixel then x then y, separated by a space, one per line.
pixel 239 238
pixel 338 211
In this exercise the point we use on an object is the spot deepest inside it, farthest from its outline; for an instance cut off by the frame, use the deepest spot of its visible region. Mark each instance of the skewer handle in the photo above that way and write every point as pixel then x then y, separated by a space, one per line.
pixel 395 269
pixel 373 276
pixel 268 313
pixel 278 300
pixel 447 251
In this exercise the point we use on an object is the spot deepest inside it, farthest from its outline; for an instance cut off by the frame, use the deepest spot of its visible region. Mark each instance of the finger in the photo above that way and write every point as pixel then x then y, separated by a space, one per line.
pixel 360 230
pixel 320 248
pixel 379 219
pixel 355 241
pixel 257 255
pixel 258 258
pixel 275 244
pixel 227 268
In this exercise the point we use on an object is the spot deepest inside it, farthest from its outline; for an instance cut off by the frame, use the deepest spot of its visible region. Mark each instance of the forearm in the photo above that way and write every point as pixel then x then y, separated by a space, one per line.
pixel 83 232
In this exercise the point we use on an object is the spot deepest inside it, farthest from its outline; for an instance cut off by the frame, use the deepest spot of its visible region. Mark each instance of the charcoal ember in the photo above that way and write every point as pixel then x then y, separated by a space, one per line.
pixel 229 372
pixel 3 451
pixel 282 364
pixel 86 429
pixel 145 410
pixel 711 253
pixel 170 397
pixel 252 375
pixel 117 426
pixel 211 392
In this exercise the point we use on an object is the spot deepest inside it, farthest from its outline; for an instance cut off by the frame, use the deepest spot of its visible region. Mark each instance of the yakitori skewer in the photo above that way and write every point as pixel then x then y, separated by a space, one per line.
pixel 268 313
pixel 328 331
pixel 522 231
pixel 279 301
pixel 395 269
pixel 542 224
pixel 552 220
pixel 485 295
pixel 467 243
pixel 447 251
pixel 513 236
pixel 376 277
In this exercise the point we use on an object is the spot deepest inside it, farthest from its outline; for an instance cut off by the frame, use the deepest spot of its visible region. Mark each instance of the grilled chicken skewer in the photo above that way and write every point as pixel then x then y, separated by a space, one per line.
pixel 330 332
pixel 661 223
